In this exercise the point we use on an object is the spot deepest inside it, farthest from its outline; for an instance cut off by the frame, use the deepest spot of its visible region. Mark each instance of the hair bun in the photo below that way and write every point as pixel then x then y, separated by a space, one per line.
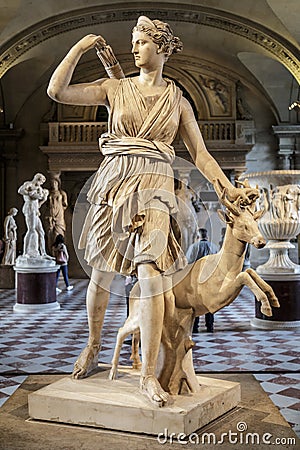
pixel 177 45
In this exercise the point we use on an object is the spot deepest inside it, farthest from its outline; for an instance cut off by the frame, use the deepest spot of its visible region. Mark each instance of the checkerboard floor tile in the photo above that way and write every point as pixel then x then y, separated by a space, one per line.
pixel 43 342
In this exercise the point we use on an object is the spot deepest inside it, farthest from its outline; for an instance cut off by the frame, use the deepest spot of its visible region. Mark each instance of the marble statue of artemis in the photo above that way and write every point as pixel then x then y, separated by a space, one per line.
pixel 127 229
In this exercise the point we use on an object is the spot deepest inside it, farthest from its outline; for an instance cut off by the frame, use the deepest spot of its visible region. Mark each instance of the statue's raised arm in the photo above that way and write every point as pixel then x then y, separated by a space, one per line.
pixel 60 88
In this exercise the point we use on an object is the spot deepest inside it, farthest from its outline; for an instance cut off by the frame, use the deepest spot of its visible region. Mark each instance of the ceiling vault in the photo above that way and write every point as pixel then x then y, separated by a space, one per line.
pixel 280 48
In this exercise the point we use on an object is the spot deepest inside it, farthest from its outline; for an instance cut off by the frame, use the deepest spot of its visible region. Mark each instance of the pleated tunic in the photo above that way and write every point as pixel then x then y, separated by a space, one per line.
pixel 132 194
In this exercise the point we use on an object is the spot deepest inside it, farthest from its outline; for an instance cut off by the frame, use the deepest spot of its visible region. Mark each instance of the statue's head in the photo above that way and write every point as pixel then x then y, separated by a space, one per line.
pixel 39 178
pixel 13 212
pixel 161 34
pixel 55 184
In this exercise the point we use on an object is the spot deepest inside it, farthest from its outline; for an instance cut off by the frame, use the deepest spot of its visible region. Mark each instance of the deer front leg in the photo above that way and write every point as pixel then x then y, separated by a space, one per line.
pixel 245 279
pixel 264 287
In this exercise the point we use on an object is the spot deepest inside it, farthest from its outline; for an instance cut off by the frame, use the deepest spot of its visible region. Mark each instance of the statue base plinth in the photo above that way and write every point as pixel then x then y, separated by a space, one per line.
pixel 119 404
pixel 33 262
pixel 7 277
pixel 36 289
pixel 287 290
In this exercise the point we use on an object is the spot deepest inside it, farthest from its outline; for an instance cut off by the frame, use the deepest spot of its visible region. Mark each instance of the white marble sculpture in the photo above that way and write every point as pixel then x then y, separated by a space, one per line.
pixel 211 283
pixel 57 204
pixel 127 228
pixel 34 250
pixel 10 238
pixel 280 198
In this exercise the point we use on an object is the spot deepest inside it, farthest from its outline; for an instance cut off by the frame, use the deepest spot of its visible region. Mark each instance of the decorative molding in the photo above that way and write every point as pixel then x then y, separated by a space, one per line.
pixel 286 130
pixel 272 42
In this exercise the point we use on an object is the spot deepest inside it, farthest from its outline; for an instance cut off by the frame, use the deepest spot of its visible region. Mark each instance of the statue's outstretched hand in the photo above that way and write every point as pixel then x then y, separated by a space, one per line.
pixel 247 195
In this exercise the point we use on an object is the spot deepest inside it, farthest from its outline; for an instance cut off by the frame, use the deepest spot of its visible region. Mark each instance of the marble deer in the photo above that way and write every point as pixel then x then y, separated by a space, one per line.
pixel 210 284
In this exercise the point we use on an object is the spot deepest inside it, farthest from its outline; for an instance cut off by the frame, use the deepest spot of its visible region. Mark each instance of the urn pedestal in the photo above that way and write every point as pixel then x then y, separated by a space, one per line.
pixel 287 290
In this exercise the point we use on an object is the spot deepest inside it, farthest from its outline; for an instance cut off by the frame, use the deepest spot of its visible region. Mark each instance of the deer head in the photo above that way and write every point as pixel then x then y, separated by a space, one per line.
pixel 241 218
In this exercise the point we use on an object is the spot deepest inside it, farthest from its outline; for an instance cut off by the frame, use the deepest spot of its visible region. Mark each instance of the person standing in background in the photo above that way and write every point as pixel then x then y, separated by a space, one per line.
pixel 201 248
pixel 61 257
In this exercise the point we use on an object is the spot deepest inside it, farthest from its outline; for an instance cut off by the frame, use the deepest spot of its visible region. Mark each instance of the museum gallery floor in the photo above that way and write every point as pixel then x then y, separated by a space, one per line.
pixel 43 343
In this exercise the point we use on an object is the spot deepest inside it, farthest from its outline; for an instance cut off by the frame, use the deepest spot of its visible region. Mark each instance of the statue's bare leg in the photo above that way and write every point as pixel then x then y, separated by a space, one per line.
pixel 97 298
pixel 151 313
pixel 41 234
pixel 31 236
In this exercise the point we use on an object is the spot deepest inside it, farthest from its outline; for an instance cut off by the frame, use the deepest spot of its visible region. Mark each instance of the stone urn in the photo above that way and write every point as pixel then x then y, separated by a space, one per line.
pixel 280 198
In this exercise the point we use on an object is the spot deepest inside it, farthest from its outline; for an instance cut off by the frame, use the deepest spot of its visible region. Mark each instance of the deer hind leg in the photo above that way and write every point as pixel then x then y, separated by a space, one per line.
pixel 130 326
pixel 135 356
pixel 247 280
pixel 264 287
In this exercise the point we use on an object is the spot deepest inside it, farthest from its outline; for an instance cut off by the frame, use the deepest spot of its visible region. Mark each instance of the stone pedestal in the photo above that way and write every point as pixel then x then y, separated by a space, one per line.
pixel 256 414
pixel 287 290
pixel 7 277
pixel 36 289
pixel 119 404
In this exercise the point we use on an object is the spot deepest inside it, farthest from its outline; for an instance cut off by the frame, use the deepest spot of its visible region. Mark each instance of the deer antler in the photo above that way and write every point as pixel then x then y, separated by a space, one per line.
pixel 257 215
pixel 244 183
pixel 221 192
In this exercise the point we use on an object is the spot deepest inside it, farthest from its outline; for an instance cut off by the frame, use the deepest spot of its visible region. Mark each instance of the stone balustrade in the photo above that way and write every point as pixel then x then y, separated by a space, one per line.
pixel 89 132
pixel 74 145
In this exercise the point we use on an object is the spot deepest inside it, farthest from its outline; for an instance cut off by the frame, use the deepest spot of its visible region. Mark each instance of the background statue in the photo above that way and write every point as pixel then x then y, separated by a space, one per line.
pixel 58 203
pixel 10 238
pixel 186 216
pixel 34 197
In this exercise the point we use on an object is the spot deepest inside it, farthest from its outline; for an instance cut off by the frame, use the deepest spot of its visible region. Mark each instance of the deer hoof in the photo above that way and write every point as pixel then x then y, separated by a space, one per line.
pixel 266 310
pixel 274 302
pixel 113 374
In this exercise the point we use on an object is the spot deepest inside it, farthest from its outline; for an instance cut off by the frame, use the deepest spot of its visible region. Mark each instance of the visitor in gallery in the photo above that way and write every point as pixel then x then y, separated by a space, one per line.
pixel 197 250
pixel 61 255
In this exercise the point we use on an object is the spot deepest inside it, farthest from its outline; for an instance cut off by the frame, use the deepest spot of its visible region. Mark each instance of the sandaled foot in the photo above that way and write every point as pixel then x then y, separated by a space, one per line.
pixel 150 387
pixel 86 362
